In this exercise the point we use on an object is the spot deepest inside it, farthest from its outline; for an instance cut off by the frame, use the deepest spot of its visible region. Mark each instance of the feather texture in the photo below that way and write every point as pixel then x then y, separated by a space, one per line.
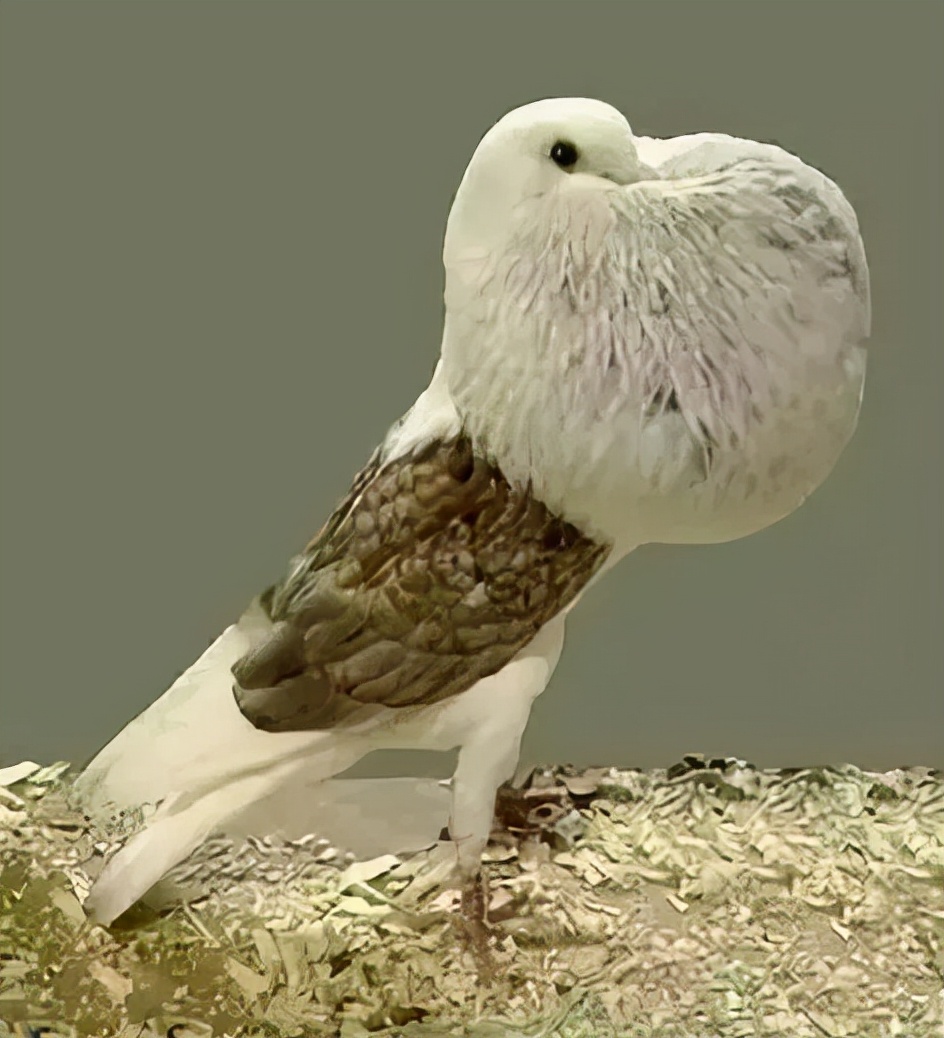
pixel 667 342
pixel 434 573
pixel 663 342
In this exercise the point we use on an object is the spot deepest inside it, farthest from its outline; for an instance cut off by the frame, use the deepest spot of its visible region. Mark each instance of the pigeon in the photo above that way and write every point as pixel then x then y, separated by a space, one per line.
pixel 644 340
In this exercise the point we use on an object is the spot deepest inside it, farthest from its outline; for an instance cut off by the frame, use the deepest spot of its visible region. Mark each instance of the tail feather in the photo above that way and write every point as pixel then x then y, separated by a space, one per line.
pixel 193 757
pixel 193 738
pixel 194 722
pixel 178 827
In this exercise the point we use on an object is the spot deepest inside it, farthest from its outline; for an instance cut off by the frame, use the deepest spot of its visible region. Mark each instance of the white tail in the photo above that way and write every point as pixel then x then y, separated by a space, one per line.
pixel 201 763
pixel 191 739
pixel 176 829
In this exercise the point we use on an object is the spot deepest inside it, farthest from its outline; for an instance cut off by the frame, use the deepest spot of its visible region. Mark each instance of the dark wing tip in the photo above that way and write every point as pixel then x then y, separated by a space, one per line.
pixel 303 702
pixel 281 655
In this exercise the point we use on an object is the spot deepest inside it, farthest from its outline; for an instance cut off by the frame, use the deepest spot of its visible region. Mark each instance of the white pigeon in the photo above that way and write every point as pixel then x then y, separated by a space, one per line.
pixel 645 340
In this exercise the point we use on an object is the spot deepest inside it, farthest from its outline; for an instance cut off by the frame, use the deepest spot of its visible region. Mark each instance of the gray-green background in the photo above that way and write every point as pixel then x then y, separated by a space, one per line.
pixel 221 283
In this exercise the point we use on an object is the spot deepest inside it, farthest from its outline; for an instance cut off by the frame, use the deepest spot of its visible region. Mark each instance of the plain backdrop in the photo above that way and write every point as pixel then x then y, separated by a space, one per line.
pixel 221 280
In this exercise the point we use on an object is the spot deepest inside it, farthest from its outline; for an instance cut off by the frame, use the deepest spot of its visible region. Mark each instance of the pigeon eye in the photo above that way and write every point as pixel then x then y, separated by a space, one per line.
pixel 564 154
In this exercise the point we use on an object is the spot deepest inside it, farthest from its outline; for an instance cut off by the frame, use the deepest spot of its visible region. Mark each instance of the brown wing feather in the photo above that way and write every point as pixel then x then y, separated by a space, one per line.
pixel 433 573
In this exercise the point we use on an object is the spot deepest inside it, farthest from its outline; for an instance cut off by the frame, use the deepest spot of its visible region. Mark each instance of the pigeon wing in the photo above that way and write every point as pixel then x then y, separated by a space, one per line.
pixel 433 573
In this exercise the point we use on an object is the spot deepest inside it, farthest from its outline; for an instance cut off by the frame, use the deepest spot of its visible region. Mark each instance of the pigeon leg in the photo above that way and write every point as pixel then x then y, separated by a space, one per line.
pixel 473 922
pixel 482 767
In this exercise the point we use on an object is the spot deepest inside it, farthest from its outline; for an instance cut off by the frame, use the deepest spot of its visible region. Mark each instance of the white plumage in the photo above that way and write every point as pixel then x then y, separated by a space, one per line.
pixel 664 340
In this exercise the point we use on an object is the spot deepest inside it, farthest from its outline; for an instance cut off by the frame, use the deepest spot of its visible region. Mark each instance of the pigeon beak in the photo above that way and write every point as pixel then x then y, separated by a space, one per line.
pixel 634 176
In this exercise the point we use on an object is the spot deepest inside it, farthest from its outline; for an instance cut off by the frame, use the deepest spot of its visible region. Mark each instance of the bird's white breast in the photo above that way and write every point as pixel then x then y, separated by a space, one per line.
pixel 742 290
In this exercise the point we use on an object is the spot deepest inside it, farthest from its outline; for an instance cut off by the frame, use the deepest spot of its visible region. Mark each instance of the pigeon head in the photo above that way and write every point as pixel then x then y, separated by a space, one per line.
pixel 556 146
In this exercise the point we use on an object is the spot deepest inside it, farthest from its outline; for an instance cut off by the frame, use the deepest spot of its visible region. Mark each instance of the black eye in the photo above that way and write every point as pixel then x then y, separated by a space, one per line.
pixel 564 154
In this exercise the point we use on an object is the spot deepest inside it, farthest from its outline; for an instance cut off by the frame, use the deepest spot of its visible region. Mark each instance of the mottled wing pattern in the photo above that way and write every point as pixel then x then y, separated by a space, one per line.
pixel 433 573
